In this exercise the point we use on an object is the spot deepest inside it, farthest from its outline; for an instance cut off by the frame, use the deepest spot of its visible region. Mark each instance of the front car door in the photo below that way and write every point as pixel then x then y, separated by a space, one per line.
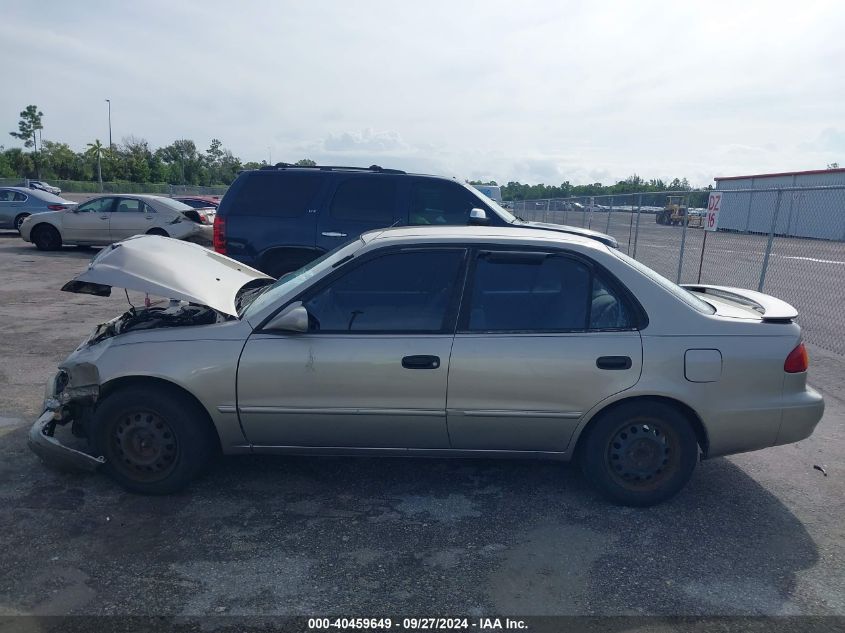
pixel 359 204
pixel 371 371
pixel 434 201
pixel 131 216
pixel 11 204
pixel 89 222
pixel 542 338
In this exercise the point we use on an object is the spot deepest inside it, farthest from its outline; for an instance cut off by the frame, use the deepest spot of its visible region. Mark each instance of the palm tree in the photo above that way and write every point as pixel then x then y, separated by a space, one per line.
pixel 95 149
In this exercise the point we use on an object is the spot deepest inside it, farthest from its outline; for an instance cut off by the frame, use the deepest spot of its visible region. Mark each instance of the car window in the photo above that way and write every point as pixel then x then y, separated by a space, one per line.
pixel 19 197
pixel 370 199
pixel 283 195
pixel 396 292
pixel 529 292
pixel 99 205
pixel 437 202
pixel 608 310
pixel 684 295
pixel 129 205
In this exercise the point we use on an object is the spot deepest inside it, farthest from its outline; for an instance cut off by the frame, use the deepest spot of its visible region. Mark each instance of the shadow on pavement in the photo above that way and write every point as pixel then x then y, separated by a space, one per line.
pixel 277 535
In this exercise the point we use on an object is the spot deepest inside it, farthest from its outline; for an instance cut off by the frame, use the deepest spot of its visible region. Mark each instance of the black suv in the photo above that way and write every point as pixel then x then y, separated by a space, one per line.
pixel 279 218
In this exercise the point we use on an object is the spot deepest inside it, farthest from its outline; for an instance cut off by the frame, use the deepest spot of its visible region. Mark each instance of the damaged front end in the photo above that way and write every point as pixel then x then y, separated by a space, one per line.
pixel 67 401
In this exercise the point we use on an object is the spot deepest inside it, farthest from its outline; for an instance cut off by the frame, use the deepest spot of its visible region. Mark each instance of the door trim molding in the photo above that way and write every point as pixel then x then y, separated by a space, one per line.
pixel 508 413
pixel 439 413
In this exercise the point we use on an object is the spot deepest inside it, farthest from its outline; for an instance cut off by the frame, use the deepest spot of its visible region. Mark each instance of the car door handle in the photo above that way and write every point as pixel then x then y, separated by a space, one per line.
pixel 333 234
pixel 104 217
pixel 149 217
pixel 421 362
pixel 613 362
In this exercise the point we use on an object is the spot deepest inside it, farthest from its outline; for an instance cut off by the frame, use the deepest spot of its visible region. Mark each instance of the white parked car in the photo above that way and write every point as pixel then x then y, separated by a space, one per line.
pixel 106 219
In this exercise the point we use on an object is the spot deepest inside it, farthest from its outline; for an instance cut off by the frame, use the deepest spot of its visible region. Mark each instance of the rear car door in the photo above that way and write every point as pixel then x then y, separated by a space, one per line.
pixel 542 338
pixel 272 215
pixel 131 216
pixel 371 371
pixel 89 222
pixel 356 205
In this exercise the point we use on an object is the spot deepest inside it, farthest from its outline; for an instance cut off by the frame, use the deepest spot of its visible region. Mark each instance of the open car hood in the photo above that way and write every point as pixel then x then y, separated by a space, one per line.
pixel 166 267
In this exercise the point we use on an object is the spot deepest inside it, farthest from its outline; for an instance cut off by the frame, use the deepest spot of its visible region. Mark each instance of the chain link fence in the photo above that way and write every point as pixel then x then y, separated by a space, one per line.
pixel 788 242
pixel 157 188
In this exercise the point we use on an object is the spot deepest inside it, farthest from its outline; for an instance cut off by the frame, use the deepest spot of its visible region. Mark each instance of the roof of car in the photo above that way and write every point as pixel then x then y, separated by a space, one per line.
pixel 372 169
pixel 478 233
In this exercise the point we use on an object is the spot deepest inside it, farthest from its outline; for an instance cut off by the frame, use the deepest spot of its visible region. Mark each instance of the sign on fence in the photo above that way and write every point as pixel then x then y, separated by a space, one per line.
pixel 714 202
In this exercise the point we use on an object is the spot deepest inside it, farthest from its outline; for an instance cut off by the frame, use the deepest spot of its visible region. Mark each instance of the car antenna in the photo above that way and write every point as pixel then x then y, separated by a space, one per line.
pixel 398 220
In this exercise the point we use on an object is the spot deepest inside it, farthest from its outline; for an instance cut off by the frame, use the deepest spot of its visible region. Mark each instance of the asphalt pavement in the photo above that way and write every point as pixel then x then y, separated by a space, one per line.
pixel 758 534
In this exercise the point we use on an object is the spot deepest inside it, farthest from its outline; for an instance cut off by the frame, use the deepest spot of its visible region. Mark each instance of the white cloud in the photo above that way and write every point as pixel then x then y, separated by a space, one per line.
pixel 535 91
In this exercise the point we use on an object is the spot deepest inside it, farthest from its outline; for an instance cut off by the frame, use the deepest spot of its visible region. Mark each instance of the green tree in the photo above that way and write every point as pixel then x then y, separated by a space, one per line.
pixel 95 150
pixel 305 162
pixel 29 124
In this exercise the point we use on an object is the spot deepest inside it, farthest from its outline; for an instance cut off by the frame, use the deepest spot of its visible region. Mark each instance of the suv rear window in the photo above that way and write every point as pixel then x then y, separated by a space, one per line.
pixel 278 195
pixel 370 199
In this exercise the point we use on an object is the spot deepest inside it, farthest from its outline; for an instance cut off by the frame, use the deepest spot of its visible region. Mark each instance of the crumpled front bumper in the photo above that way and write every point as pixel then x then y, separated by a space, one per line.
pixel 53 452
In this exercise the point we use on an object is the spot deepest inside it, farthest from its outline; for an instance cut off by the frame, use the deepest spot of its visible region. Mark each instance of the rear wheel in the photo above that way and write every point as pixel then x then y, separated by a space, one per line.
pixel 19 220
pixel 640 453
pixel 158 231
pixel 46 237
pixel 155 441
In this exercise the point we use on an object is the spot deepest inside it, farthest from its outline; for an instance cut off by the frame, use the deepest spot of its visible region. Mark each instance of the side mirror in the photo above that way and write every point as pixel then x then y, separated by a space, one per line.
pixel 477 216
pixel 294 318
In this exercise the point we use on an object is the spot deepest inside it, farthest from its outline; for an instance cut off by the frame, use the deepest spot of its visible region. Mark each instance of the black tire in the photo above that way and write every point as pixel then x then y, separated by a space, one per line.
pixel 155 440
pixel 46 237
pixel 19 220
pixel 640 453
pixel 158 231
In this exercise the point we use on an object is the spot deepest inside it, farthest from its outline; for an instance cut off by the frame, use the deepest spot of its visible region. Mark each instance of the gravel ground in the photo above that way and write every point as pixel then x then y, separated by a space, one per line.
pixel 755 534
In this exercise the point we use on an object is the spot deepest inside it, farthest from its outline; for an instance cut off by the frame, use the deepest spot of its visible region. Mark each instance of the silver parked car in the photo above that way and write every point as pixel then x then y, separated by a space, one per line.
pixel 446 341
pixel 17 203
pixel 106 219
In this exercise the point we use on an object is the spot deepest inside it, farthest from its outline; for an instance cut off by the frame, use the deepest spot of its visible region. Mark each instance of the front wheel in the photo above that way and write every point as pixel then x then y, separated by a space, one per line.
pixel 640 453
pixel 158 231
pixel 154 440
pixel 46 238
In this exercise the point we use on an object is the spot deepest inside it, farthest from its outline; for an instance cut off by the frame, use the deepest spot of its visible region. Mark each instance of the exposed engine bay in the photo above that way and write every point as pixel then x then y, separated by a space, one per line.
pixel 174 314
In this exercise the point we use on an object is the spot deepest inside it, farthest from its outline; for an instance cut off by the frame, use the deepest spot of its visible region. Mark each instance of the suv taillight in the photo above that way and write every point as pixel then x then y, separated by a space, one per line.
pixel 797 361
pixel 220 234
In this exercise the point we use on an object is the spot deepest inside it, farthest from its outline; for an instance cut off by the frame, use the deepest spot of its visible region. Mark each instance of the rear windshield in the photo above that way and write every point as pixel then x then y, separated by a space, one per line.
pixel 283 195
pixel 684 295
pixel 173 204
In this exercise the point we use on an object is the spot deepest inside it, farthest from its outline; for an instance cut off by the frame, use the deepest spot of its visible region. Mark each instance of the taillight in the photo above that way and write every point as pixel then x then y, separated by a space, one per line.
pixel 220 234
pixel 797 361
pixel 56 207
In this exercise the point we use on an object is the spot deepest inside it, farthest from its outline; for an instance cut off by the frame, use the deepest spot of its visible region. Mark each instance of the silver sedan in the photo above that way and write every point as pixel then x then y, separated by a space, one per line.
pixel 18 203
pixel 448 341
pixel 106 219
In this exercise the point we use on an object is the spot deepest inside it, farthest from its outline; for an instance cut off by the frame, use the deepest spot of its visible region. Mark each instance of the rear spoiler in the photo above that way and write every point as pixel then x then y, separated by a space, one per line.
pixel 771 309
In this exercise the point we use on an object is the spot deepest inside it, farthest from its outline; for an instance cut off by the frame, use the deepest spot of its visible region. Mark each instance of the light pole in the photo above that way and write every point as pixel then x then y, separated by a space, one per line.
pixel 109 102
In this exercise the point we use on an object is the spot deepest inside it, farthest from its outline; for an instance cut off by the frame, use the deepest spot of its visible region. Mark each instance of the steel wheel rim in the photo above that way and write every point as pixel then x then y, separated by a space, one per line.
pixel 643 453
pixel 144 446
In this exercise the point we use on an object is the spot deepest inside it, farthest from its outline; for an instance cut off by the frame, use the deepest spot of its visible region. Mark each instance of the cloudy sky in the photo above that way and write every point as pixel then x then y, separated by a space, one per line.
pixel 550 91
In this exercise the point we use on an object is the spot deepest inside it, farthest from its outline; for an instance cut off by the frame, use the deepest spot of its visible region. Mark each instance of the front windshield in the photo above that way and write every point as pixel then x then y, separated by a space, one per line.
pixel 292 280
pixel 498 209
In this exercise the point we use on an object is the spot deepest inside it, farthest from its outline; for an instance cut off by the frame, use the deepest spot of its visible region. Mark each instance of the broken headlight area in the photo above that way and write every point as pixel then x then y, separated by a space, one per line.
pixel 65 404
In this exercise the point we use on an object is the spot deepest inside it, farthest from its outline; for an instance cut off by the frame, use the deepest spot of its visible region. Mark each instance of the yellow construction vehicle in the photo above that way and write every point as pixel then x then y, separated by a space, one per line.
pixel 675 211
